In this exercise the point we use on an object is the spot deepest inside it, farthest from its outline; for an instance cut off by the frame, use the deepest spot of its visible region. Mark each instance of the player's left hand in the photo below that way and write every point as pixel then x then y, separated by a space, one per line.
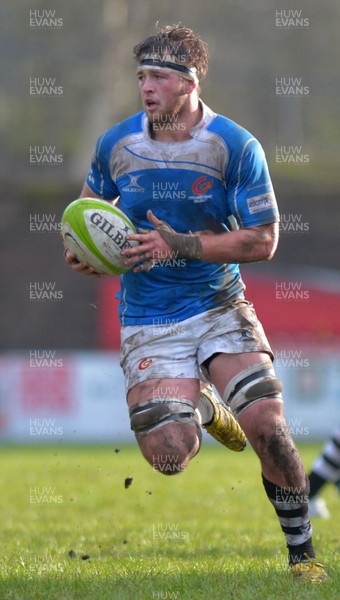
pixel 152 247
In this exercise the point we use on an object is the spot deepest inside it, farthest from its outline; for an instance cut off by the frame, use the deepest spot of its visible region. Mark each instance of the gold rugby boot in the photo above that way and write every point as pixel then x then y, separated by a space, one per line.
pixel 223 427
pixel 309 570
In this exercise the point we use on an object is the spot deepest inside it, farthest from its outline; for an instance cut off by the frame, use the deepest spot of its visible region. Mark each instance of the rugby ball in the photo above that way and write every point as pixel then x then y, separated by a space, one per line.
pixel 95 232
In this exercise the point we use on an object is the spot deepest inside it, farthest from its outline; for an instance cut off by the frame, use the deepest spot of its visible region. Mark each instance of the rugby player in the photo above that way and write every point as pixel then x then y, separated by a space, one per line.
pixel 325 469
pixel 196 186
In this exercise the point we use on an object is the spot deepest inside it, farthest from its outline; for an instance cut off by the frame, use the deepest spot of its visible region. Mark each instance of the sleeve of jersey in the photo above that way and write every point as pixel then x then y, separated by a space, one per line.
pixel 250 192
pixel 99 177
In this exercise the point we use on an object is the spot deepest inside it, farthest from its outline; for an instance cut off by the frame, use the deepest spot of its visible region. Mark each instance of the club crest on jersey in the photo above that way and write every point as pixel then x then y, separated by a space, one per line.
pixel 144 363
pixel 202 185
pixel 133 185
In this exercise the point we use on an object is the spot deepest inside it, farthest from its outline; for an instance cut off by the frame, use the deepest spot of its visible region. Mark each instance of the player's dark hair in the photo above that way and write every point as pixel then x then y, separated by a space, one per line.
pixel 180 42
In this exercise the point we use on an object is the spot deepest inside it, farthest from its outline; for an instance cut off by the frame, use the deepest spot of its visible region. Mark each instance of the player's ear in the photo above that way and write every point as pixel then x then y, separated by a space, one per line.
pixel 188 86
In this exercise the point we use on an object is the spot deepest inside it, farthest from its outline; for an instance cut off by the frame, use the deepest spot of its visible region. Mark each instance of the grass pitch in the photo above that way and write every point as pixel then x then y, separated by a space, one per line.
pixel 71 529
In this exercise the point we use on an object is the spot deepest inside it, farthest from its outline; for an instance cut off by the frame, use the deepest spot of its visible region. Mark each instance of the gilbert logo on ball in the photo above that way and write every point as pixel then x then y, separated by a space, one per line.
pixel 95 231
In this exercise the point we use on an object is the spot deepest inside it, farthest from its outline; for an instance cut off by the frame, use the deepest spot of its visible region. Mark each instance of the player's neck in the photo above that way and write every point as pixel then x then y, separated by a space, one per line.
pixel 178 129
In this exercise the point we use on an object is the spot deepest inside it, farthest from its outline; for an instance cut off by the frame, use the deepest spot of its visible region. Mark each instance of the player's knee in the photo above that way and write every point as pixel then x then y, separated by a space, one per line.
pixel 170 448
pixel 167 432
pixel 263 424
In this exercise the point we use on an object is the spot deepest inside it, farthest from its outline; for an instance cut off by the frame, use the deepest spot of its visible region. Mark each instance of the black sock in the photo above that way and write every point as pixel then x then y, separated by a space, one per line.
pixel 316 482
pixel 291 506
pixel 326 466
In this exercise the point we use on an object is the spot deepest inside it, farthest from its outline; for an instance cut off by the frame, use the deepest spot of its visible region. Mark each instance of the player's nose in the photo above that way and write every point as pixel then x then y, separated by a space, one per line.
pixel 147 85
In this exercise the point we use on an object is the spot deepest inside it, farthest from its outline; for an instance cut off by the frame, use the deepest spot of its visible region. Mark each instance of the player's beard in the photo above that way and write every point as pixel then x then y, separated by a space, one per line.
pixel 169 115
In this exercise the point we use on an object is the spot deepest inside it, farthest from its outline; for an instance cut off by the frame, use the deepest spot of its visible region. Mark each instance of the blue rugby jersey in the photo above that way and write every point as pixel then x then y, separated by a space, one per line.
pixel 217 180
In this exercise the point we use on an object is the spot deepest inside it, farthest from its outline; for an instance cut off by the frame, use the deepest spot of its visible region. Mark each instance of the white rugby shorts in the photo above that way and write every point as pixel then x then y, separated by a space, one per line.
pixel 177 349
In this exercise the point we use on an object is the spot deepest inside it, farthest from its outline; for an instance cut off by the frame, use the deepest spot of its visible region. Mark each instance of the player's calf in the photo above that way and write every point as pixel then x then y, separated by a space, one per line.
pixel 267 431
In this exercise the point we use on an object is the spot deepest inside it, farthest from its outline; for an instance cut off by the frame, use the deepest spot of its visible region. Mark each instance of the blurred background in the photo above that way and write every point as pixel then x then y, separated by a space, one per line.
pixel 67 75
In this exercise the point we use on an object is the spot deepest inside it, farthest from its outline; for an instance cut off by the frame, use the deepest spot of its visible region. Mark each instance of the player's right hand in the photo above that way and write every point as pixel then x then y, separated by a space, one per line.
pixel 80 267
